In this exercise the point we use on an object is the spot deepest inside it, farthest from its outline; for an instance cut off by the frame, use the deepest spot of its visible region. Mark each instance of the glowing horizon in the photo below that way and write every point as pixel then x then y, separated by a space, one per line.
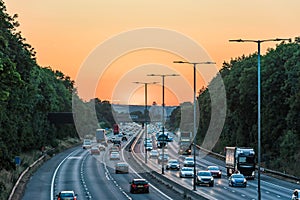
pixel 65 33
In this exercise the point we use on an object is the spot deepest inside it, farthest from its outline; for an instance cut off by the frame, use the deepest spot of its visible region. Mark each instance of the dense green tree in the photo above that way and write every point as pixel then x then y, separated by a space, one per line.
pixel 280 106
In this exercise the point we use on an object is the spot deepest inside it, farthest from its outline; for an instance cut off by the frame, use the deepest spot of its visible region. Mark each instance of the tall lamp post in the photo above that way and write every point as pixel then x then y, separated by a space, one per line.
pixel 145 123
pixel 195 100
pixel 258 103
pixel 163 112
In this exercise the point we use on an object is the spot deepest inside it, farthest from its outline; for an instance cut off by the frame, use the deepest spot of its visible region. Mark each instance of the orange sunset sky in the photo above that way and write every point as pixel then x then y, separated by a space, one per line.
pixel 68 36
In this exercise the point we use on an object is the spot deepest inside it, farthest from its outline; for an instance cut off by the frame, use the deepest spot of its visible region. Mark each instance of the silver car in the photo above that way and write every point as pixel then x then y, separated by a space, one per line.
pixel 187 172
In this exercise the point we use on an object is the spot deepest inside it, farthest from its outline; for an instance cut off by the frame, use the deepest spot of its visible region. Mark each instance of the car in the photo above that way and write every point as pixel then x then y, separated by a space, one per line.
pixel 122 167
pixel 95 150
pixel 205 178
pixel 153 154
pixel 87 144
pixel 114 155
pixel 101 147
pixel 66 195
pixel 148 146
pixel 111 139
pixel 116 141
pixel 295 195
pixel 215 171
pixel 237 180
pixel 188 162
pixel 187 172
pixel 173 164
pixel 160 158
pixel 139 185
pixel 147 140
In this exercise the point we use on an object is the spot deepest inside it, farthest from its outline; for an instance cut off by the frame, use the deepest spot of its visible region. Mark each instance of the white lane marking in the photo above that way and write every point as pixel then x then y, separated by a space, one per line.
pixel 109 177
pixel 74 157
pixel 155 188
pixel 83 180
pixel 55 172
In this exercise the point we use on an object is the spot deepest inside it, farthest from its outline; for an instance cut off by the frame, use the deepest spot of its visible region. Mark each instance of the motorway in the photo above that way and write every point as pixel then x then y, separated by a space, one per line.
pixel 93 177
pixel 90 176
pixel 271 188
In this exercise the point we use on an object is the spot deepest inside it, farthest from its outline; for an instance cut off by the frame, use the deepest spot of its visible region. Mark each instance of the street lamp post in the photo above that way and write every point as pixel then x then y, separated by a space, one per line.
pixel 195 100
pixel 145 122
pixel 163 113
pixel 258 103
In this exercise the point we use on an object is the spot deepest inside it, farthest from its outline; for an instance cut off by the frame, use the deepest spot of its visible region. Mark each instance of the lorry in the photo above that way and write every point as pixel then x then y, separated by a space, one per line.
pixel 116 129
pixel 101 137
pixel 185 143
pixel 240 160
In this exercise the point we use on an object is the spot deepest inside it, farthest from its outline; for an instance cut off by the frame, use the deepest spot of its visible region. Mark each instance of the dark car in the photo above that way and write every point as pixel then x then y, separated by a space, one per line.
pixel 215 171
pixel 237 180
pixel 205 178
pixel 139 185
pixel 66 195
pixel 173 164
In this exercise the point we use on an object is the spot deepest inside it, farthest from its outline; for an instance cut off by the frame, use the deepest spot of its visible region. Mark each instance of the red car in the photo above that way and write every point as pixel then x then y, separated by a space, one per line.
pixel 139 185
pixel 215 171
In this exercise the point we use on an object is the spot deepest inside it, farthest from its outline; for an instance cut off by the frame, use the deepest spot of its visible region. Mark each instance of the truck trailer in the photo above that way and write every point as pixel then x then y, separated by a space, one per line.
pixel 101 137
pixel 185 143
pixel 240 160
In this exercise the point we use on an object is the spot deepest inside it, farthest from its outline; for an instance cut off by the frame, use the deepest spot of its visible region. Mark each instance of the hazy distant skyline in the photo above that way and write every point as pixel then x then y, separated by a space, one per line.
pixel 64 33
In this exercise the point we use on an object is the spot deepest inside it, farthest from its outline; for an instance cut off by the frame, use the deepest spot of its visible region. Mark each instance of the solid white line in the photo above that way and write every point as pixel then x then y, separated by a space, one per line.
pixel 155 188
pixel 55 172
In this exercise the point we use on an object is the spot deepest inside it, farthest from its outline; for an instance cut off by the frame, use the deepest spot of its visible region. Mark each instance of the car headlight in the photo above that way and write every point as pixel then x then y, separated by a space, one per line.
pixel 245 180
pixel 211 178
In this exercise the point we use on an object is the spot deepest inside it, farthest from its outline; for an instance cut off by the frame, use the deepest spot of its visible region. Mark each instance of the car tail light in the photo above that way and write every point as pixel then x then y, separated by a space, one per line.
pixel 75 198
pixel 58 198
pixel 133 185
pixel 146 185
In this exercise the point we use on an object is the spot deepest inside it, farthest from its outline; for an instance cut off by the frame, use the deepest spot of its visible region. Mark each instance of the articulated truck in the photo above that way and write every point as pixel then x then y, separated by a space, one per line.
pixel 240 160
pixel 185 143
pixel 101 137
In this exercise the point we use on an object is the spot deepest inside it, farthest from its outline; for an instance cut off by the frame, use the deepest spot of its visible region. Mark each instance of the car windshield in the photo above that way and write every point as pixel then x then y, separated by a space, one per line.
pixel 189 159
pixel 237 176
pixel 122 164
pixel 173 161
pixel 66 195
pixel 140 182
pixel 187 169
pixel 204 174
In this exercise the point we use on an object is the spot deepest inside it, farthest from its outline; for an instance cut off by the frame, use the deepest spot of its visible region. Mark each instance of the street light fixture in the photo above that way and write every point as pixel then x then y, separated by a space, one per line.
pixel 163 112
pixel 195 100
pixel 258 103
pixel 145 123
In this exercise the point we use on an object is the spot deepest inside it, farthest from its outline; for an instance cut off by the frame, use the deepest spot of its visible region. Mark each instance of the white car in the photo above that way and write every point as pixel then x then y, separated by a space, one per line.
pixel 188 162
pixel 187 172
pixel 153 154
pixel 87 144
pixel 114 155
pixel 149 146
